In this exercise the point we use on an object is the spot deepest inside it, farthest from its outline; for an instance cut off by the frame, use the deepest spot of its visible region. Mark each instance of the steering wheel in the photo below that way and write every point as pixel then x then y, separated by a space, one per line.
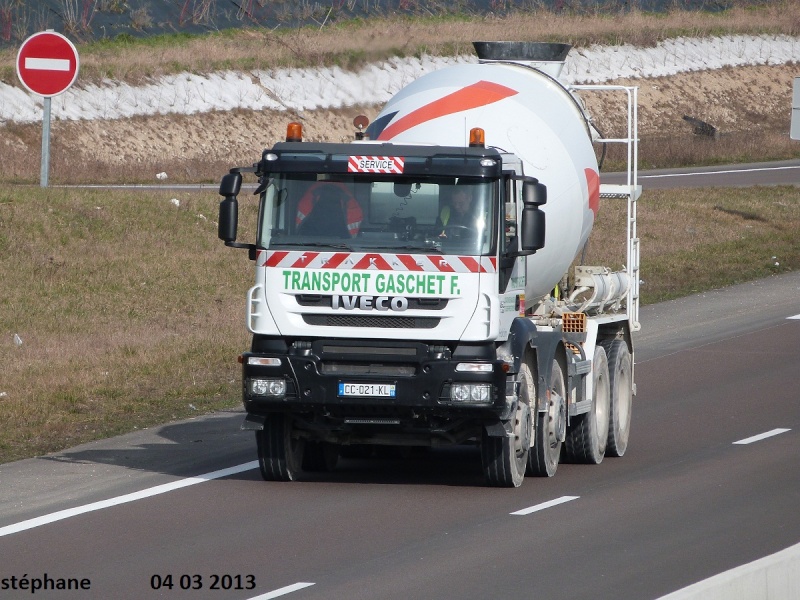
pixel 459 232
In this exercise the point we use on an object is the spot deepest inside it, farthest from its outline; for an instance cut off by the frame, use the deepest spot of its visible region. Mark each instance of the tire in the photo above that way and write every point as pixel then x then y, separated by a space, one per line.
pixel 621 383
pixel 320 457
pixel 505 458
pixel 280 454
pixel 587 435
pixel 550 426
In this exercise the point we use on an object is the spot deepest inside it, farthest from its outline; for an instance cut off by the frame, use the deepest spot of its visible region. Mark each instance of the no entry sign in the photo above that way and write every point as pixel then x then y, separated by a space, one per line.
pixel 47 63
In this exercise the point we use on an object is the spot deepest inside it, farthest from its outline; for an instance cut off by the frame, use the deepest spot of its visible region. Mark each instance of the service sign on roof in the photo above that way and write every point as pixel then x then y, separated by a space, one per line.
pixel 392 165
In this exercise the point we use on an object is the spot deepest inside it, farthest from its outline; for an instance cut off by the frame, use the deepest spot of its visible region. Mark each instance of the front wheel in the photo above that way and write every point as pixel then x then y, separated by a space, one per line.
pixel 505 458
pixel 280 452
pixel 320 457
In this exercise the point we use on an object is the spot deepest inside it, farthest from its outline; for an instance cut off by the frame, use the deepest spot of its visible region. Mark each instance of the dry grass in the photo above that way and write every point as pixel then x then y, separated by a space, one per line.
pixel 129 312
pixel 352 43
pixel 699 239
pixel 669 151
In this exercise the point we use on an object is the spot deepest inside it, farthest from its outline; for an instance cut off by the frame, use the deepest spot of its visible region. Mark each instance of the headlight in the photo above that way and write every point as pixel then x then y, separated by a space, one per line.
pixel 267 387
pixel 471 392
pixel 262 361
pixel 474 367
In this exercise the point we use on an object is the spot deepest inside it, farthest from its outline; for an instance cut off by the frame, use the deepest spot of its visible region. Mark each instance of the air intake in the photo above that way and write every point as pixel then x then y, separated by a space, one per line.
pixel 544 56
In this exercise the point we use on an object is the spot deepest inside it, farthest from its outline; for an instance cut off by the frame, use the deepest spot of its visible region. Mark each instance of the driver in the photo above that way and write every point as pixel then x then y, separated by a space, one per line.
pixel 460 212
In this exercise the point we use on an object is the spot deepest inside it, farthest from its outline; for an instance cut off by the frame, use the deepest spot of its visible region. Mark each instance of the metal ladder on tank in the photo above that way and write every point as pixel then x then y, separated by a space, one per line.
pixel 629 191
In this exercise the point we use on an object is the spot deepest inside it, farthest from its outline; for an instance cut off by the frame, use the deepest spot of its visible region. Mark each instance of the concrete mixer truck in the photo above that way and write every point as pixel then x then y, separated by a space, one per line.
pixel 422 284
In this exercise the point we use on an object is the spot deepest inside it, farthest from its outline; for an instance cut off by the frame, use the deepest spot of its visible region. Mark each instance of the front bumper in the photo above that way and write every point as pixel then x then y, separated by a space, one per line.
pixel 420 376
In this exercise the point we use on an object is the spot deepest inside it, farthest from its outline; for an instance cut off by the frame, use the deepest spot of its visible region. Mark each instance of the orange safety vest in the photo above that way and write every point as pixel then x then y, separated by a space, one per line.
pixel 354 214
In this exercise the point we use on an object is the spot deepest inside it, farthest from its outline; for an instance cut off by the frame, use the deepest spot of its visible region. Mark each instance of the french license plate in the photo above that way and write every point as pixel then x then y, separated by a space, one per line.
pixel 367 389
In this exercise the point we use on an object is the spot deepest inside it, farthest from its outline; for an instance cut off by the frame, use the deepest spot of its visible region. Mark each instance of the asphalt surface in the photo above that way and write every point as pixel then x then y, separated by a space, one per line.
pixel 786 172
pixel 685 503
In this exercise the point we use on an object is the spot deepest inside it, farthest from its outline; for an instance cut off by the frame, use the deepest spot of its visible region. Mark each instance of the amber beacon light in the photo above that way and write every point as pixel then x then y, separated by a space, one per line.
pixel 294 132
pixel 477 138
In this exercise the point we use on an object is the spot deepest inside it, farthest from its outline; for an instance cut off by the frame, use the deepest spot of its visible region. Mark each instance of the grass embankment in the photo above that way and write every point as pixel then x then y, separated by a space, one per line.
pixel 351 43
pixel 694 240
pixel 131 312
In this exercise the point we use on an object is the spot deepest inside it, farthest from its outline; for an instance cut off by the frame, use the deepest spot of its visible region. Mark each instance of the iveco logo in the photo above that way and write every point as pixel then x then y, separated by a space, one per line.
pixel 397 303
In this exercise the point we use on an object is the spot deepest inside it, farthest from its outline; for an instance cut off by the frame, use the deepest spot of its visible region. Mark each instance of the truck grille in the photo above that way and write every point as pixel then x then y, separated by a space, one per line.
pixel 352 368
pixel 379 322
pixel 319 301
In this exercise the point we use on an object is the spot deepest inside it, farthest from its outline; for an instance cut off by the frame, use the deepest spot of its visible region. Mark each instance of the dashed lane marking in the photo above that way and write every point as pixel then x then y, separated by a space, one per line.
pixel 762 436
pixel 283 591
pixel 544 505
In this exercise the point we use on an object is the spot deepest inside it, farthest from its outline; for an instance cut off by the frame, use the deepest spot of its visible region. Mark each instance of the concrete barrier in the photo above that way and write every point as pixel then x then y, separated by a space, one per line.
pixel 775 577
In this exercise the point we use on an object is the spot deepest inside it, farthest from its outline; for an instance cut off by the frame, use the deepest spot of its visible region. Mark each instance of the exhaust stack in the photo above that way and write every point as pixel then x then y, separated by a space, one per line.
pixel 544 56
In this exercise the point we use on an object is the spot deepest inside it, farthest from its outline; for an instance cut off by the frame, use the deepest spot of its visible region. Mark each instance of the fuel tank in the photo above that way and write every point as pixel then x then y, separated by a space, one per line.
pixel 514 95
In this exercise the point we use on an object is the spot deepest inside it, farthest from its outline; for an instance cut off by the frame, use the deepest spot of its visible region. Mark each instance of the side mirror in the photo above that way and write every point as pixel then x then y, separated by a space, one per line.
pixel 532 232
pixel 230 185
pixel 229 188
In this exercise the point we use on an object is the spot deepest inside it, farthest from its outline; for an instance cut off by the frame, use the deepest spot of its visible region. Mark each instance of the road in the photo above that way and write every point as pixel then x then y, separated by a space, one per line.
pixel 685 503
pixel 786 172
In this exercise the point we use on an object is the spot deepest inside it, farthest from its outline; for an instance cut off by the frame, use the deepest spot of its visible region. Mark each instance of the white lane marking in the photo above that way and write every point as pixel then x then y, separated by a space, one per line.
pixel 47 64
pixel 762 436
pixel 543 505
pixel 283 591
pixel 756 170
pixel 796 317
pixel 146 493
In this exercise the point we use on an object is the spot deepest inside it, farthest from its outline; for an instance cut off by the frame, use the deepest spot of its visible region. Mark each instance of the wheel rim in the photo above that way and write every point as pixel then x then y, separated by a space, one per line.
pixel 529 399
pixel 522 428
pixel 523 425
pixel 557 420
pixel 556 415
pixel 623 408
pixel 602 407
pixel 621 399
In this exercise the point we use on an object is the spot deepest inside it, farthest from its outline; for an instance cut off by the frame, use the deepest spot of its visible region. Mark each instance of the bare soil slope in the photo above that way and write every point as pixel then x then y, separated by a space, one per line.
pixel 755 101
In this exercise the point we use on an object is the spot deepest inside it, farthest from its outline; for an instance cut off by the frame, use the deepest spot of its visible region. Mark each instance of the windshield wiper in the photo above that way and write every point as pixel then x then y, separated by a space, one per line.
pixel 415 247
pixel 339 245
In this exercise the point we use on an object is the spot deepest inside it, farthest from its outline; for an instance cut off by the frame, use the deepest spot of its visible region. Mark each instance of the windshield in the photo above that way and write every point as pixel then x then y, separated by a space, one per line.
pixel 435 215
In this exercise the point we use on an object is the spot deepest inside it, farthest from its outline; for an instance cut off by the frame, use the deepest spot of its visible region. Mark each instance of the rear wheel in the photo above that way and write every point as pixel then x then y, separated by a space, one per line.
pixel 505 458
pixel 280 452
pixel 588 433
pixel 550 427
pixel 621 384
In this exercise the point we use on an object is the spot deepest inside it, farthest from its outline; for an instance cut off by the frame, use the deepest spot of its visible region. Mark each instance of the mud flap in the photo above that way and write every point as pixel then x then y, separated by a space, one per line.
pixel 253 423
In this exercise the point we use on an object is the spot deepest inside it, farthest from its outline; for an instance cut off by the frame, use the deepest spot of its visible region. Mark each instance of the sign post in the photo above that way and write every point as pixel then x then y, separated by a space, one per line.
pixel 794 131
pixel 47 65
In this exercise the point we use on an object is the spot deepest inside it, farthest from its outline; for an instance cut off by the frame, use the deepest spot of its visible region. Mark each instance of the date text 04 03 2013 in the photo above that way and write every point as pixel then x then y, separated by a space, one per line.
pixel 198 582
